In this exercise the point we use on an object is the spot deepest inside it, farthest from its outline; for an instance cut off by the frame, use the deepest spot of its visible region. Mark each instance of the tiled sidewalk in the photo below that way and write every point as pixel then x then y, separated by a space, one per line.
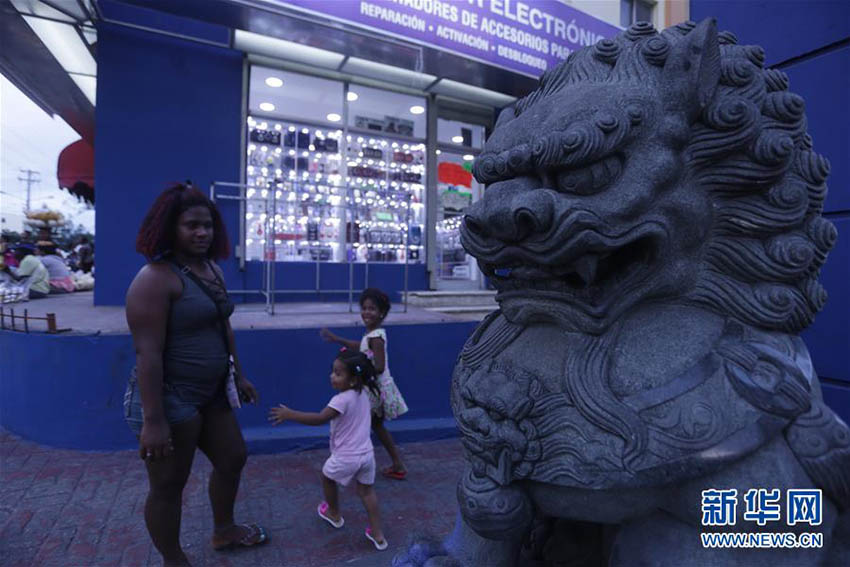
pixel 70 508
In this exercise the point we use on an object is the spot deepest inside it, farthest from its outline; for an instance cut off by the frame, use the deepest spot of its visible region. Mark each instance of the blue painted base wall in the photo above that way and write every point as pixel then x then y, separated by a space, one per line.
pixel 67 391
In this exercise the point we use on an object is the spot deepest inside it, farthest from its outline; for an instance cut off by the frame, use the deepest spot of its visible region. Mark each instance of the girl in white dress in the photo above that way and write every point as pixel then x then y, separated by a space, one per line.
pixel 374 306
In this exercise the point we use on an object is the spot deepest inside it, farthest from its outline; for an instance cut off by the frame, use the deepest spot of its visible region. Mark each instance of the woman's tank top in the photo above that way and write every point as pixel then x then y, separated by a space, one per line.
pixel 195 359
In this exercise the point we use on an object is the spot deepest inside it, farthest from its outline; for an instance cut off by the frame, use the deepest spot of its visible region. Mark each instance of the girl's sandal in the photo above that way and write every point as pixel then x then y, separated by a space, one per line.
pixel 256 536
pixel 389 472
pixel 379 546
pixel 322 510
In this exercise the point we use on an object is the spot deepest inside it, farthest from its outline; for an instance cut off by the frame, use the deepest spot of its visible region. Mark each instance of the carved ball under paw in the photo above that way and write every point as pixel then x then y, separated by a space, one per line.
pixel 424 552
pixel 493 511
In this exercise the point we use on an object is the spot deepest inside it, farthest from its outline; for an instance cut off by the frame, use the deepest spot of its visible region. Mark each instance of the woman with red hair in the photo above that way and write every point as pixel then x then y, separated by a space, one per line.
pixel 177 398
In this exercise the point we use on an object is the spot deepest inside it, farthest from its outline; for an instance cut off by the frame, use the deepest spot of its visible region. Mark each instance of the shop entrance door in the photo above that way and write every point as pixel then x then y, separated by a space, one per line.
pixel 459 141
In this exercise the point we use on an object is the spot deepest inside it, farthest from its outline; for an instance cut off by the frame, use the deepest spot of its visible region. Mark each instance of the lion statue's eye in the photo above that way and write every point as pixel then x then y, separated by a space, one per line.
pixel 590 179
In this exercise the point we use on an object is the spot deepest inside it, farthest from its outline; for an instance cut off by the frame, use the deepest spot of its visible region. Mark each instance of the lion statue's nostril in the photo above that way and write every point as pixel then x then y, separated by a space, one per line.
pixel 532 214
pixel 474 225
pixel 525 223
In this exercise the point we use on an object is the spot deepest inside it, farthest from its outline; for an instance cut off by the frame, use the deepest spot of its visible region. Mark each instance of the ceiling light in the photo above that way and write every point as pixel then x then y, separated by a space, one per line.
pixel 468 157
pixel 266 106
pixel 439 152
pixel 457 139
pixel 417 109
pixel 274 82
pixel 334 117
pixel 352 96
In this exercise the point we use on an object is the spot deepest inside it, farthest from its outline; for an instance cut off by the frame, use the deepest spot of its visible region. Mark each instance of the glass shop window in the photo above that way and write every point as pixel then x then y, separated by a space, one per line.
pixel 386 181
pixel 386 113
pixel 275 93
pixel 315 194
pixel 632 11
pixel 460 133
pixel 457 189
pixel 386 176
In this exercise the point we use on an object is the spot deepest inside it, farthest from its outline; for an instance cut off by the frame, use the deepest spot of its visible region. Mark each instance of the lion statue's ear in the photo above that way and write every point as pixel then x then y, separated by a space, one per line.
pixel 692 71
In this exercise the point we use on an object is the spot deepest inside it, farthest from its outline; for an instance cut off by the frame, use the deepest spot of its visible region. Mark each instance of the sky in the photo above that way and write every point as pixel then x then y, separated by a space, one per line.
pixel 32 139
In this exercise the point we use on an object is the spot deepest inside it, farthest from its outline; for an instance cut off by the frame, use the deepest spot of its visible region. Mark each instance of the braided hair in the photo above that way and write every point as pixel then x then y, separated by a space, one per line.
pixel 360 368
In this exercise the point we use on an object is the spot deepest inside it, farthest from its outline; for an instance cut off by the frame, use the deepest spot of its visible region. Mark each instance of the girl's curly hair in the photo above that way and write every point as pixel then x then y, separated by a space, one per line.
pixel 156 235
pixel 381 300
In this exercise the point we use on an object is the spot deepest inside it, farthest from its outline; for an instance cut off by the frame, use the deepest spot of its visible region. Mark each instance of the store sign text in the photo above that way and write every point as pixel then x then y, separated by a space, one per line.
pixel 528 37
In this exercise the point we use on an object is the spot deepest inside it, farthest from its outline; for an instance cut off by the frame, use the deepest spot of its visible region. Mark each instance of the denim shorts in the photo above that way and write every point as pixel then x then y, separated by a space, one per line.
pixel 175 408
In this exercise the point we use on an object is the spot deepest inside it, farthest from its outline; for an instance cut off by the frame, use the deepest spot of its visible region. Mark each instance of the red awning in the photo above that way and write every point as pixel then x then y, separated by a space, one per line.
pixel 76 170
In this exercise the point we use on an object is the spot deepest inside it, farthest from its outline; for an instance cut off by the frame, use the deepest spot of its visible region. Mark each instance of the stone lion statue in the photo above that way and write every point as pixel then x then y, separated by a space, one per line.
pixel 652 223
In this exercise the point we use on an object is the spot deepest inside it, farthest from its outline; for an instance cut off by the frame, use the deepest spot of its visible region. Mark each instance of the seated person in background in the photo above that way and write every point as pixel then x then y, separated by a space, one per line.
pixel 59 275
pixel 85 254
pixel 7 257
pixel 31 271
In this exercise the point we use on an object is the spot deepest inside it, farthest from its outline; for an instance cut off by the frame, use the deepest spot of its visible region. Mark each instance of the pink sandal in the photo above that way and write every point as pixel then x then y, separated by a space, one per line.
pixel 379 546
pixel 322 510
pixel 389 472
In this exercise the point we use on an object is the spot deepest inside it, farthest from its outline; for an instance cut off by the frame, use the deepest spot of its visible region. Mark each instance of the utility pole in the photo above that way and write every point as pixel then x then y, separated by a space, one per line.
pixel 32 177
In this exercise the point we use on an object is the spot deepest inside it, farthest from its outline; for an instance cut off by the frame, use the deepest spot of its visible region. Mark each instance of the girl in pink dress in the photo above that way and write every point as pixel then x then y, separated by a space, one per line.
pixel 352 455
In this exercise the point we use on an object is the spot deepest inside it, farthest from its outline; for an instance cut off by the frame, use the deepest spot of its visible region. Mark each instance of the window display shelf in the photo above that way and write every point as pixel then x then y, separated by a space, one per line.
pixel 316 195
pixel 399 138
pixel 387 177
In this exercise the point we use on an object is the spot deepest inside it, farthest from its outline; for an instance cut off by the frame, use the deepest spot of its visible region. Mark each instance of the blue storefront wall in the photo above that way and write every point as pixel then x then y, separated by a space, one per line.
pixel 169 110
pixel 810 41
pixel 67 391
pixel 785 28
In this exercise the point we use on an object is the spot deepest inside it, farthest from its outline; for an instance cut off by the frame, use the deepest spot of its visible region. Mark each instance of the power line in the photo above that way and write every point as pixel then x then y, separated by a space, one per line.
pixel 12 195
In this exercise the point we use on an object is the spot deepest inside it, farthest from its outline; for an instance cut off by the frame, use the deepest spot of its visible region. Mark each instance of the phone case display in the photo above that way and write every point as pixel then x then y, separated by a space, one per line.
pixel 386 180
pixel 295 202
